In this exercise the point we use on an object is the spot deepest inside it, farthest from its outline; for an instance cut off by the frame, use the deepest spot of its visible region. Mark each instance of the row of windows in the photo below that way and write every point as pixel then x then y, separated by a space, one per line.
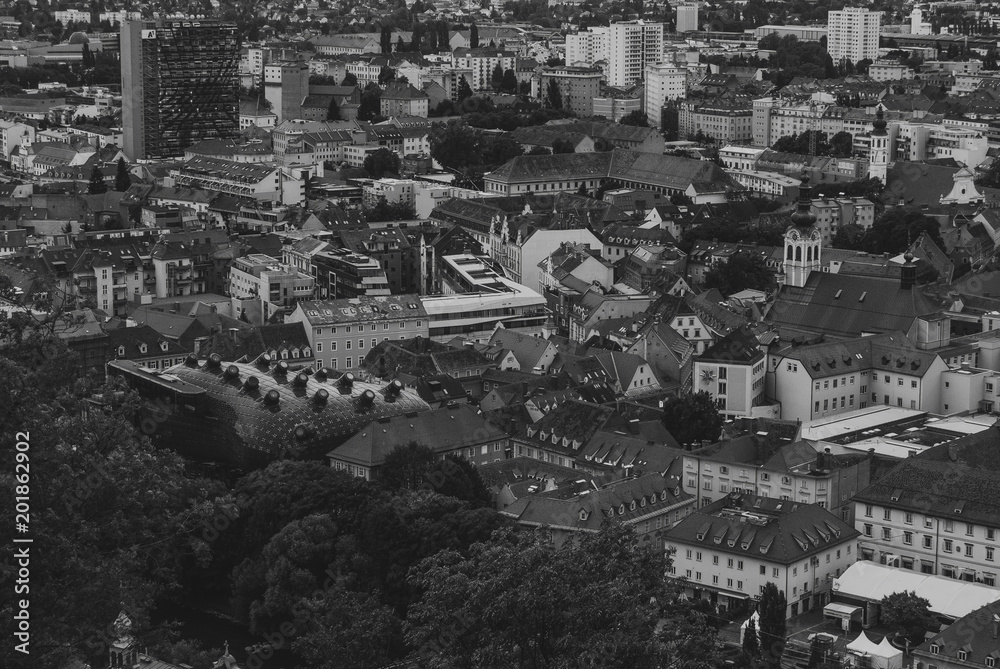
pixel 361 328
pixel 946 525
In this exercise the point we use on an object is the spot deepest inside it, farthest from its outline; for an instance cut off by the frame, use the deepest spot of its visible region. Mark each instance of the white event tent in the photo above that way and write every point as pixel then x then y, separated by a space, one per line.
pixel 881 655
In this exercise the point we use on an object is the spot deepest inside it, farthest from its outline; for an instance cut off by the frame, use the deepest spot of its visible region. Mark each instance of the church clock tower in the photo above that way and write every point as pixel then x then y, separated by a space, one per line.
pixel 803 242
pixel 878 157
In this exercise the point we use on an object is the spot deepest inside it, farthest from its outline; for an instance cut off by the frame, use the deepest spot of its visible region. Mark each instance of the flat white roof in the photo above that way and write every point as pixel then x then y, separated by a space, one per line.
pixel 948 597
pixel 853 421
pixel 522 296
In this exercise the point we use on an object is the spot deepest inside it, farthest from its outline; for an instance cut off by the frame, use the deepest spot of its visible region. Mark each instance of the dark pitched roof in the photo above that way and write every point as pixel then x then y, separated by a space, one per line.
pixel 847 306
pixel 771 529
pixel 624 501
pixel 739 346
pixel 958 480
pixel 444 430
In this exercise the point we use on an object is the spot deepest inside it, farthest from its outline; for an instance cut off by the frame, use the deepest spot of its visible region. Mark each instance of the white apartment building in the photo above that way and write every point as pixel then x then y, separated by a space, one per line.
pixel 929 141
pixel 342 332
pixel 276 286
pixel 67 16
pixel 12 134
pixel 728 551
pixel 664 82
pixel 394 191
pixel 812 382
pixel 687 17
pixel 889 70
pixel 587 47
pixel 732 372
pixel 802 472
pixel 853 34
pixel 631 46
pixel 482 62
pixel 771 184
pixel 741 158
pixel 579 86
pixel 832 213
pixel 935 513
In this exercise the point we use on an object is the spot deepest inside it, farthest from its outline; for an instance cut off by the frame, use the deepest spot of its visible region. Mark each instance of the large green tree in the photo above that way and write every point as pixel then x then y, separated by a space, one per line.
pixel 692 418
pixel 115 523
pixel 97 184
pixel 741 271
pixel 381 162
pixel 553 96
pixel 516 602
pixel 895 229
pixel 464 90
pixel 122 178
pixel 772 609
pixel 636 118
pixel 909 615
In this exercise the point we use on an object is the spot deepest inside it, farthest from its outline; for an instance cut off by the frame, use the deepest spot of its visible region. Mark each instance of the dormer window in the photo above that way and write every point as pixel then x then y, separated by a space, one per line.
pixel 663 496
pixel 142 349
pixel 295 353
pixel 121 351
pixel 642 503
pixel 164 346
pixel 962 655
pixel 621 510
pixel 583 514
pixel 935 649
pixel 632 506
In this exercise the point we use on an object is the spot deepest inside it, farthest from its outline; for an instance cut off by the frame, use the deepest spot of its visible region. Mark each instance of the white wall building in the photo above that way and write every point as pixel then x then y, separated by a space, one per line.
pixel 631 46
pixel 664 81
pixel 853 33
pixel 728 551
pixel 687 17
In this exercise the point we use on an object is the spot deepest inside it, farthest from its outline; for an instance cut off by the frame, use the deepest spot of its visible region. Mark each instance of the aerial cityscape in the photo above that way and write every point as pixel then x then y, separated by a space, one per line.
pixel 534 334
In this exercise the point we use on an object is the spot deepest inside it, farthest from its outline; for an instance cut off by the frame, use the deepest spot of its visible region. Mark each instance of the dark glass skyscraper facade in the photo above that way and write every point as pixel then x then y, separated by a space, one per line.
pixel 180 85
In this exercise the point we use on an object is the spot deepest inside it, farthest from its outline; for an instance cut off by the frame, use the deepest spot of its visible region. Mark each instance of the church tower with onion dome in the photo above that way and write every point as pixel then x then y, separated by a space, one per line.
pixel 803 241
pixel 878 157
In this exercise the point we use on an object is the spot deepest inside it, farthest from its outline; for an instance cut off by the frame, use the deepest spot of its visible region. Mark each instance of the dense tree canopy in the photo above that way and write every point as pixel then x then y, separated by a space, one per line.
pixel 382 163
pixel 740 272
pixel 909 615
pixel 692 418
pixel 484 609
pixel 892 232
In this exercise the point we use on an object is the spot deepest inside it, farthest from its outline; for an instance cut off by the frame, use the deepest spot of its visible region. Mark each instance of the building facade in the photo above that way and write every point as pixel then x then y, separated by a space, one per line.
pixel 342 332
pixel 729 550
pixel 183 84
pixel 631 46
pixel 853 34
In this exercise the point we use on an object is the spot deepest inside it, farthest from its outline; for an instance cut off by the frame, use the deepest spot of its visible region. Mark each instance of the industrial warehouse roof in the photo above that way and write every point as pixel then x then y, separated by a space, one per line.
pixel 253 413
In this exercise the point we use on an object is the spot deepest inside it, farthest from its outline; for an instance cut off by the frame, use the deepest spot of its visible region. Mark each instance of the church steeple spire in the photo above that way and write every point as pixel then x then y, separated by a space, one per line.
pixel 803 242
pixel 878 156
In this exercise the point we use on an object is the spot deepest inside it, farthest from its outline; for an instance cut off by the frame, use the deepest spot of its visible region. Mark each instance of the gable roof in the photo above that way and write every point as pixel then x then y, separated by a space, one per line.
pixel 848 306
pixel 768 529
pixel 444 430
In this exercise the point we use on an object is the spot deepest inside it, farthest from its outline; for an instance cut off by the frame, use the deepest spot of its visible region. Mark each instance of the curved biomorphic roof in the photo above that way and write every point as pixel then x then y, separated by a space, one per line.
pixel 255 413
